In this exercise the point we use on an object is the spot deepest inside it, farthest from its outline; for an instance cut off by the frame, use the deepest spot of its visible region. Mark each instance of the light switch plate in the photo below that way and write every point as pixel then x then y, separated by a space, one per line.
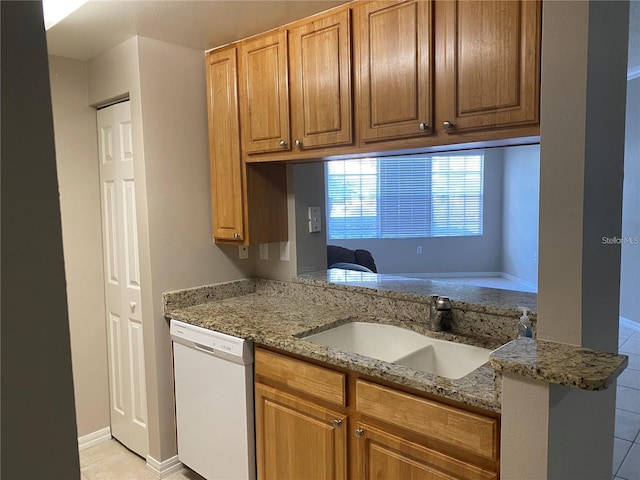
pixel 264 251
pixel 315 220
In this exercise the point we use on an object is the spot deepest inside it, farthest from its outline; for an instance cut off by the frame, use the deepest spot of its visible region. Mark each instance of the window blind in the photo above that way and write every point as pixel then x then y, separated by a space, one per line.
pixel 406 197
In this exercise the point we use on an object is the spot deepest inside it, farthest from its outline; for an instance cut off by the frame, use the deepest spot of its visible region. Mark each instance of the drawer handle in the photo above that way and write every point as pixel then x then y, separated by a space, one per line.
pixel 337 423
pixel 359 433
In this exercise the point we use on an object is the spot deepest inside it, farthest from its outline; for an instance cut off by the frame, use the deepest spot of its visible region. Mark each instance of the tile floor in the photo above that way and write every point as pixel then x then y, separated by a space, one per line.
pixel 626 448
pixel 110 460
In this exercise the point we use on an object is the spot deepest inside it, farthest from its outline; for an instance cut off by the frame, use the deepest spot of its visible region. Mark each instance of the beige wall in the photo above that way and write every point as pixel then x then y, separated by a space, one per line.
pixel 630 270
pixel 77 165
pixel 176 151
pixel 309 187
pixel 166 86
pixel 274 268
pixel 581 159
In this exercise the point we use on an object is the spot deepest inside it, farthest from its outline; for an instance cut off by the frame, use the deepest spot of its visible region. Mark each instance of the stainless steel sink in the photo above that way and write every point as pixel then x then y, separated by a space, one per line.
pixel 404 347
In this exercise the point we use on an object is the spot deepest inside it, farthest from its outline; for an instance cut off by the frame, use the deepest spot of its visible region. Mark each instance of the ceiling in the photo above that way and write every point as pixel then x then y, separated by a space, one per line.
pixel 99 25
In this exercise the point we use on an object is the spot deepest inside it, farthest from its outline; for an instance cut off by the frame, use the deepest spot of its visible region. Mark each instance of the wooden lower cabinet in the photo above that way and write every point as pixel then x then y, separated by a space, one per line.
pixel 297 439
pixel 383 455
pixel 317 422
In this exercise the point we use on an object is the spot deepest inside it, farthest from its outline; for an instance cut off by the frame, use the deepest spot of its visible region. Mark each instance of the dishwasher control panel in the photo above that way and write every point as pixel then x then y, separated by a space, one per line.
pixel 220 344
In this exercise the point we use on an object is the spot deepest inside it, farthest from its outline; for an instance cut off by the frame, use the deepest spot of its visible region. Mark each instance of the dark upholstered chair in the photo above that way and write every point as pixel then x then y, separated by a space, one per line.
pixel 340 257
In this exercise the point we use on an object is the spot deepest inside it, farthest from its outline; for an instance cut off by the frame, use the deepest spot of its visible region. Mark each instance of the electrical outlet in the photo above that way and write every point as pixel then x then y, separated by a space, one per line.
pixel 419 250
pixel 315 221
pixel 264 251
pixel 284 252
pixel 243 252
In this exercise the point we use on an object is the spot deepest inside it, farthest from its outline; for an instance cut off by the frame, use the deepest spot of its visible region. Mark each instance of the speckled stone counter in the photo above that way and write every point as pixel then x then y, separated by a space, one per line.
pixel 469 297
pixel 478 311
pixel 558 363
pixel 278 314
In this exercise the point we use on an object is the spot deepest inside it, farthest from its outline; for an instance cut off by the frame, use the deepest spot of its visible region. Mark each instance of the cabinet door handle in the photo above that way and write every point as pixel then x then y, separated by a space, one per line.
pixel 236 236
pixel 359 433
pixel 337 423
pixel 423 127
pixel 298 143
pixel 283 143
pixel 448 125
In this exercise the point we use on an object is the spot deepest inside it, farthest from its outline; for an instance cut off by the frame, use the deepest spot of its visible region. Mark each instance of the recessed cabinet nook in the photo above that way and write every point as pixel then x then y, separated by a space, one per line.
pixel 367 77
pixel 318 422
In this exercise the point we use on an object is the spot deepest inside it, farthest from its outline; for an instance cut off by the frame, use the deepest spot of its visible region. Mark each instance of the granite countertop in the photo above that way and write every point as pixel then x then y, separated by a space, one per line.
pixel 477 298
pixel 278 321
pixel 559 363
pixel 279 314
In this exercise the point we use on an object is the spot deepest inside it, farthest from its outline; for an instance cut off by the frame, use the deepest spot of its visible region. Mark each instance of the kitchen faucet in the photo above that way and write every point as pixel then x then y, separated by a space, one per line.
pixel 440 313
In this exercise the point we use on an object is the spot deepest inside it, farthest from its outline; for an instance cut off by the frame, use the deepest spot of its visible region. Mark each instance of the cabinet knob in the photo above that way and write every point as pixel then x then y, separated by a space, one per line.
pixel 283 143
pixel 359 433
pixel 448 125
pixel 298 143
pixel 236 236
pixel 337 422
pixel 423 127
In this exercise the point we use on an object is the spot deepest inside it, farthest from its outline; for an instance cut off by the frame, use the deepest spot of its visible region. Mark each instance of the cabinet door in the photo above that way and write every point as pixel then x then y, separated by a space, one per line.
pixel 492 58
pixel 395 41
pixel 320 69
pixel 224 145
pixel 264 94
pixel 296 439
pixel 383 455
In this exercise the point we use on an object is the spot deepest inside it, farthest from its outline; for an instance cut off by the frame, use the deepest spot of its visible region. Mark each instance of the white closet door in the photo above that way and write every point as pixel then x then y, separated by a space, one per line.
pixel 122 279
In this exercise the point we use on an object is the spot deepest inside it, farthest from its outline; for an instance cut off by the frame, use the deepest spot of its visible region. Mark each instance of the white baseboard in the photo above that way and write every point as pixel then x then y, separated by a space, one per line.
pixel 165 468
pixel 630 323
pixel 520 280
pixel 449 274
pixel 95 438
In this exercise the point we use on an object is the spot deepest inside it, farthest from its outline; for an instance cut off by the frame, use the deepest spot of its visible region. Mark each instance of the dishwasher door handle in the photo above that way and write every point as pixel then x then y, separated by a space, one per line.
pixel 205 348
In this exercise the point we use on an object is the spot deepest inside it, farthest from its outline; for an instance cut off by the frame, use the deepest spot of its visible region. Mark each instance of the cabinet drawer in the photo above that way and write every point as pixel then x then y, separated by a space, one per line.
pixel 465 430
pixel 300 376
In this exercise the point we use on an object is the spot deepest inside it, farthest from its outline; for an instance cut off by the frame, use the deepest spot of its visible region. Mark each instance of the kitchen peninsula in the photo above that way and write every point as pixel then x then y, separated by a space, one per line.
pixel 449 424
pixel 277 314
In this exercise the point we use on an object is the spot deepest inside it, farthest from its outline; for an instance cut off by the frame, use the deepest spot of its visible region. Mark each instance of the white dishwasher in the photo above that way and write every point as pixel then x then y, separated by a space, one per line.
pixel 213 375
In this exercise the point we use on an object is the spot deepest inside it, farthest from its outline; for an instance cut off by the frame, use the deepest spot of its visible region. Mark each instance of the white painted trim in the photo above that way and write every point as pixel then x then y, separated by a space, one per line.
pixel 633 73
pixel 525 283
pixel 427 275
pixel 95 438
pixel 630 323
pixel 165 468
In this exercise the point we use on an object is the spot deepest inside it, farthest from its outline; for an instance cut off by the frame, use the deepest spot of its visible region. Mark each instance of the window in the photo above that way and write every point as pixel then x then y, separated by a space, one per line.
pixel 406 197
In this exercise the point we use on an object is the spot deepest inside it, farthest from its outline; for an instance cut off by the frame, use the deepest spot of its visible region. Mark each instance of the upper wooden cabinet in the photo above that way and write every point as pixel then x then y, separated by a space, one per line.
pixel 491 64
pixel 395 63
pixel 224 146
pixel 264 94
pixel 248 202
pixel 424 73
pixel 320 81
